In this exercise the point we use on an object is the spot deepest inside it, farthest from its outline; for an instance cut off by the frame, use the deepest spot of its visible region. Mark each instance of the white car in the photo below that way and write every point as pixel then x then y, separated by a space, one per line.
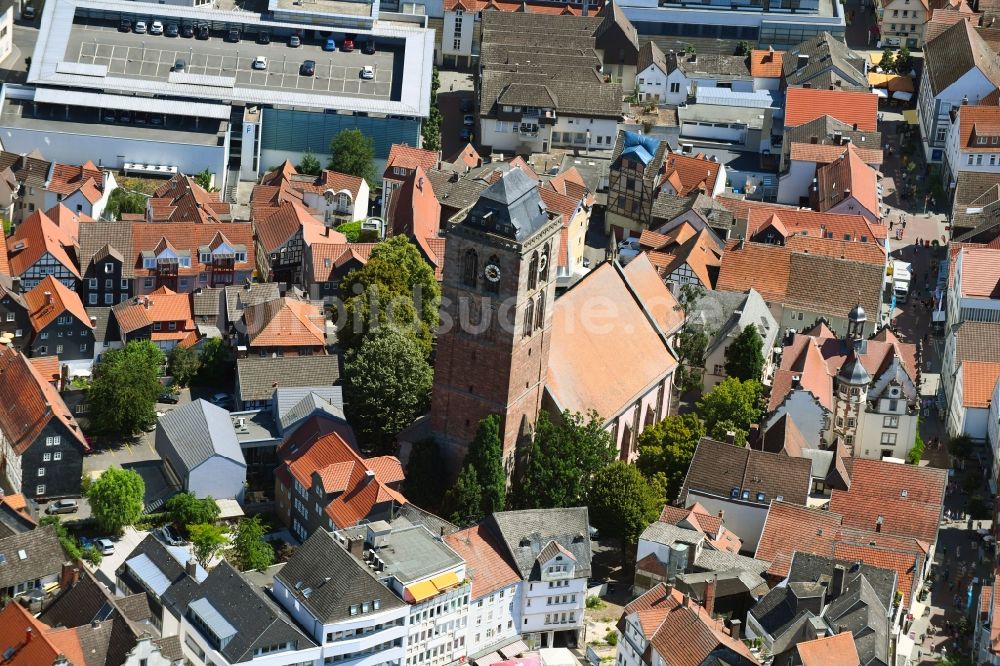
pixel 260 62
pixel 628 250
pixel 368 72
pixel 105 546
pixel 156 28
pixel 139 28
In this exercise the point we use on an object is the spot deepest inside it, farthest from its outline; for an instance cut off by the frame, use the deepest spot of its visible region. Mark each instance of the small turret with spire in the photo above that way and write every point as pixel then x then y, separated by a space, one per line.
pixel 611 251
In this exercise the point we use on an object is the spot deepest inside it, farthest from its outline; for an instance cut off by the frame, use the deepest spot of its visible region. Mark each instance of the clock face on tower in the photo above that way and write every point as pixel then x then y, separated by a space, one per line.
pixel 492 272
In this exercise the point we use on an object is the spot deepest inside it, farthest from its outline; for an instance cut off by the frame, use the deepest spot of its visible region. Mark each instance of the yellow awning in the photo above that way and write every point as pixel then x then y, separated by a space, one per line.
pixel 445 580
pixel 51 586
pixel 422 591
pixel 910 116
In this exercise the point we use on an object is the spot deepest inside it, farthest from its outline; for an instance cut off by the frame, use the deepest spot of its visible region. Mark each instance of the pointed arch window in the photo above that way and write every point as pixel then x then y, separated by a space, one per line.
pixel 543 268
pixel 529 317
pixel 470 267
pixel 533 271
pixel 540 312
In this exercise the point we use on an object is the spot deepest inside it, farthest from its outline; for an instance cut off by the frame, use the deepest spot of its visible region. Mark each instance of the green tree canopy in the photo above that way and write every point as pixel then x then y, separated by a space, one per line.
pixel 387 384
pixel 186 509
pixel 745 355
pixel 215 363
pixel 463 502
pixel 744 48
pixel 903 60
pixel 310 164
pixel 122 201
pixel 125 387
pixel 249 551
pixel 353 153
pixel 422 485
pixel 485 455
pixel 564 457
pixel 396 286
pixel 183 364
pixel 116 499
pixel 667 448
pixel 204 179
pixel 888 61
pixel 621 502
pixel 735 403
pixel 206 541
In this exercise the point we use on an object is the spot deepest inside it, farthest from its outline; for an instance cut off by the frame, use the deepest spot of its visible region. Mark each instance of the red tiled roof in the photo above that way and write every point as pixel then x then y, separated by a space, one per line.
pixel 980 272
pixel 848 177
pixel 908 498
pixel 44 645
pixel 409 158
pixel 485 564
pixel 837 650
pixel 285 322
pixel 33 238
pixel 789 528
pixel 67 220
pixel 824 153
pixel 163 306
pixel 68 178
pixel 687 174
pixel 975 122
pixel 327 257
pixel 313 447
pixel 531 7
pixel 50 299
pixel 833 226
pixel 740 269
pixel 189 236
pixel 869 253
pixel 181 199
pixel 34 402
pixel 805 104
pixel 766 63
pixel 978 381
pixel 415 212
pixel 275 226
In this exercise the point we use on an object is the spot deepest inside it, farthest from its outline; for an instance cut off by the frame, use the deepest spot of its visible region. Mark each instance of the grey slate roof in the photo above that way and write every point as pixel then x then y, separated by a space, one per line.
pixel 30 168
pixel 258 377
pixel 736 314
pixel 714 66
pixel 206 302
pixel 43 556
pixel 152 560
pixel 650 54
pixel 196 432
pixel 240 297
pixel 95 235
pixel 980 194
pixel 257 621
pixel 101 317
pixel 292 404
pixel 830 60
pixel 510 207
pixel 413 553
pixel 667 534
pixel 170 647
pixel 535 528
pixel 954 52
pixel 328 580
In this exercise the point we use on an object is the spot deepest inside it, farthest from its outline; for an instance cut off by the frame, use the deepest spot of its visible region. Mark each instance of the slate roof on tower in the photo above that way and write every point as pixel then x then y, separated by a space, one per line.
pixel 510 207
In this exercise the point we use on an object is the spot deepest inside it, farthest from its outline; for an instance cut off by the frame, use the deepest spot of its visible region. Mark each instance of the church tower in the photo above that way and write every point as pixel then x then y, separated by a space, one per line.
pixel 852 381
pixel 496 311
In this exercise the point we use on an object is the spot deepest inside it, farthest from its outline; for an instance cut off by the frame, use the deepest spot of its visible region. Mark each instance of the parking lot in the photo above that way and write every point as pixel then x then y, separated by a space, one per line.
pixel 153 57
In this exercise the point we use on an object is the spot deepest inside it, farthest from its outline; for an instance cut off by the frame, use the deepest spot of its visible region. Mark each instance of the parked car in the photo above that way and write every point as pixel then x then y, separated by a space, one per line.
pixel 62 506
pixel 169 535
pixel 172 30
pixel 105 546
pixel 368 47
pixel 628 249
pixel 167 398
pixel 469 120
pixel 465 134
pixel 308 68
pixel 233 35
pixel 125 25
pixel 187 30
pixel 295 41
pixel 223 399
pixel 368 72
pixel 140 28
pixel 347 45
pixel 125 117
pixel 468 105
pixel 108 115
pixel 330 44
pixel 263 37
pixel 203 32
pixel 180 65
pixel 155 119
pixel 156 28
pixel 28 13
pixel 260 62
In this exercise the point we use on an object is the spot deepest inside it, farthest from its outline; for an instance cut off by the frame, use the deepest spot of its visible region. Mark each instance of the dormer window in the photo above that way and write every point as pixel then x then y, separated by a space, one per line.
pixel 760 497
pixel 734 493
pixel 746 494
pixel 981 140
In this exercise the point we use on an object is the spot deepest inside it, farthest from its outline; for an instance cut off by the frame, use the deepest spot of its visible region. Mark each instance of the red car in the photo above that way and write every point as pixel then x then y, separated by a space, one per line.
pixel 347 44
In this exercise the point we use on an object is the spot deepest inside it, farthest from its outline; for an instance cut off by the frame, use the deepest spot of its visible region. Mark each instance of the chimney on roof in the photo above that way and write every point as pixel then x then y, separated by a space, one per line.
pixel 722 514
pixel 740 242
pixel 191 567
pixel 369 475
pixel 48 298
pixel 28 633
pixel 69 575
pixel 796 381
pixel 93 321
pixel 965 100
pixel 736 629
pixel 803 61
pixel 686 601
pixel 837 582
pixel 731 437
pixel 710 595
pixel 15 285
pixel 878 523
pixel 145 302
pixel 356 547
